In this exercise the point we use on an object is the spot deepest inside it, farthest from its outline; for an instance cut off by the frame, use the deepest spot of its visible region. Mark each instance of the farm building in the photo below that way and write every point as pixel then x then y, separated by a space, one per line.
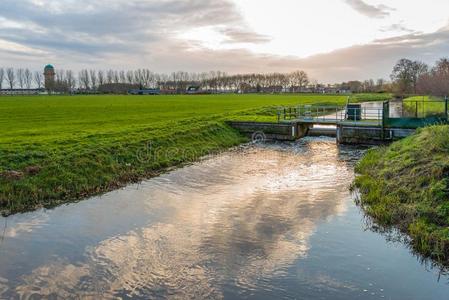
pixel 21 91
pixel 144 92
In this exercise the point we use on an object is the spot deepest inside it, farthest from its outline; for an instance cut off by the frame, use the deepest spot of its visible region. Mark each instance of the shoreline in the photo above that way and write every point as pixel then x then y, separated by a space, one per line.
pixel 406 186
pixel 152 159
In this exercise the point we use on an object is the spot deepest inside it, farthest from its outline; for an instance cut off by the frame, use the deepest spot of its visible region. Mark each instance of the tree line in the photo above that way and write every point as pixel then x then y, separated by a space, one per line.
pixel 20 78
pixel 407 77
pixel 215 81
pixel 92 80
pixel 416 77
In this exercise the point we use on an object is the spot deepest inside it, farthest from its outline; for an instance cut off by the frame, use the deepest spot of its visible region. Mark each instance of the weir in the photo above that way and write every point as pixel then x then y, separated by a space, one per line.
pixel 354 123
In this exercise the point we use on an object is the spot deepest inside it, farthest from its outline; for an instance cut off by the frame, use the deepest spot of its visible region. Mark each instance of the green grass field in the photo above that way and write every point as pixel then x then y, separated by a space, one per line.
pixel 54 149
pixel 424 106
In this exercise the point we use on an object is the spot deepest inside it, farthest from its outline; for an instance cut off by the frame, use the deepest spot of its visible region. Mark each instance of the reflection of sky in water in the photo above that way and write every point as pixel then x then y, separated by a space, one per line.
pixel 230 225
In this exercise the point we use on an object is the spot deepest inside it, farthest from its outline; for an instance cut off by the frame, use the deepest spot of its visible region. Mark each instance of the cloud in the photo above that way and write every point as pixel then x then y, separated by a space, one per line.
pixel 379 11
pixel 372 60
pixel 146 34
pixel 102 26
pixel 237 35
pixel 398 27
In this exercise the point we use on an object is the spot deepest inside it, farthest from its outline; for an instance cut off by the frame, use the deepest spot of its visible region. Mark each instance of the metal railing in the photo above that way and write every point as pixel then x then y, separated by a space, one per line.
pixel 420 109
pixel 332 114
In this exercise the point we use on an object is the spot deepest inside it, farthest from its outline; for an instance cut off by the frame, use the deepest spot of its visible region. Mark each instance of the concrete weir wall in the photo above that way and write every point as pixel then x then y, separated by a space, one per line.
pixel 345 134
pixel 271 131
pixel 370 135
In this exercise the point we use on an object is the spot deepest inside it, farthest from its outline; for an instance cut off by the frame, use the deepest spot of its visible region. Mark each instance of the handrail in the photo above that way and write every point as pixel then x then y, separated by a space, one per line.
pixel 332 114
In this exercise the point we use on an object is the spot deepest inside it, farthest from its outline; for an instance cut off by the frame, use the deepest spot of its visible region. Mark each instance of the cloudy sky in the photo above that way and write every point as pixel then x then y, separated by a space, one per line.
pixel 333 40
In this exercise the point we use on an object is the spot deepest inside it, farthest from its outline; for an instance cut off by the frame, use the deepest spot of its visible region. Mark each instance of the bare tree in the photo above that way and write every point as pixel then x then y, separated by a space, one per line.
pixel 83 78
pixel 21 77
pixel 110 76
pixel 11 77
pixel 38 79
pixel 121 76
pixel 71 81
pixel 28 76
pixel 380 84
pixel 93 79
pixel 406 74
pixel 101 79
pixel 299 79
pixel 2 77
pixel 436 82
pixel 60 76
pixel 130 77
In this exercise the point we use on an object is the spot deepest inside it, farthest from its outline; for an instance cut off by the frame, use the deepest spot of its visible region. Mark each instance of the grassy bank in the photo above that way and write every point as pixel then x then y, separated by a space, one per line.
pixel 61 148
pixel 407 185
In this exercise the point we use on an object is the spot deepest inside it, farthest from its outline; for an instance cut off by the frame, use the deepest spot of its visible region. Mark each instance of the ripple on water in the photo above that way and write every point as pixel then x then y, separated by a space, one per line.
pixel 234 225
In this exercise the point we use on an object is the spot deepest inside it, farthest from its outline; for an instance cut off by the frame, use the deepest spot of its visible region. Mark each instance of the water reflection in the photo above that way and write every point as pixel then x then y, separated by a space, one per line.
pixel 231 226
pixel 233 219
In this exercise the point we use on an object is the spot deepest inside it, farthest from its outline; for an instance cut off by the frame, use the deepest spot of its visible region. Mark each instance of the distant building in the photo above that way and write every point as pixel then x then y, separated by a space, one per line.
pixel 177 87
pixel 193 89
pixel 144 92
pixel 21 91
pixel 117 88
pixel 49 74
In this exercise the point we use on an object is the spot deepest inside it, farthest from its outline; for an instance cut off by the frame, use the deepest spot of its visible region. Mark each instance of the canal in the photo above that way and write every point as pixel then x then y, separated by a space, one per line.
pixel 272 221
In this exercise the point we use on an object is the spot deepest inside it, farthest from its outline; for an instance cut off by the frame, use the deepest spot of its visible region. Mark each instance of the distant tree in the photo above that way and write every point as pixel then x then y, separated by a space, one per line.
pixel 2 77
pixel 299 79
pixel 11 77
pixel 139 77
pixel 71 81
pixel 355 86
pixel 436 82
pixel 21 77
pixel 116 77
pixel 406 74
pixel 122 76
pixel 380 85
pixel 38 79
pixel 83 78
pixel 129 77
pixel 110 76
pixel 60 84
pixel 101 78
pixel 440 74
pixel 28 76
pixel 93 79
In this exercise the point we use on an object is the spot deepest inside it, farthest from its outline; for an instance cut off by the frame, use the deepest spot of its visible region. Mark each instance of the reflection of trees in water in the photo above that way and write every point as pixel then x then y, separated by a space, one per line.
pixel 237 230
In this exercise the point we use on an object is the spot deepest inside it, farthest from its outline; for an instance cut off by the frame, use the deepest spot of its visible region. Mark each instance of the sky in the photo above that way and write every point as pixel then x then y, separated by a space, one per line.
pixel 332 40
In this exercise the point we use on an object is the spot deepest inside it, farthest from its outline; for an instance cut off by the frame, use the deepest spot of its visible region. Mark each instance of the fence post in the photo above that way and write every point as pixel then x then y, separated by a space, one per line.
pixel 378 116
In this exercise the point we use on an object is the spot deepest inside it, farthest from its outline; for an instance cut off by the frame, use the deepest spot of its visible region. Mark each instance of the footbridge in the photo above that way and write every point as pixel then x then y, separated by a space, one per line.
pixel 354 123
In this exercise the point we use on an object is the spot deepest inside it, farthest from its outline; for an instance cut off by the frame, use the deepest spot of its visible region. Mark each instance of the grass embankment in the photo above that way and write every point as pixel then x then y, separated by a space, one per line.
pixel 407 185
pixel 61 148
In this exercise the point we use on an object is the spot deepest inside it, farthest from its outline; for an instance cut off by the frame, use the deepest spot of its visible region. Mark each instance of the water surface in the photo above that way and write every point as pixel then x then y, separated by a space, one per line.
pixel 272 221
